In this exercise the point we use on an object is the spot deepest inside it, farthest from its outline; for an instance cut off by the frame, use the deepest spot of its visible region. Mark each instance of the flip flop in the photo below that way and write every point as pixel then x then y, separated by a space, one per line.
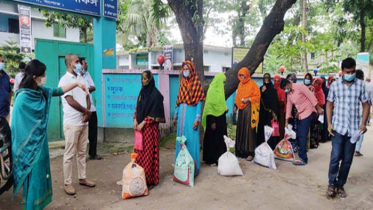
pixel 299 163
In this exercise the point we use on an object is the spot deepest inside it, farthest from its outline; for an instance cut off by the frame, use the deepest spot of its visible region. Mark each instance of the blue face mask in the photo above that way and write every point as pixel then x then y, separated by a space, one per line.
pixel 307 82
pixel 78 68
pixel 349 77
pixel 186 74
pixel 2 66
pixel 287 90
pixel 84 71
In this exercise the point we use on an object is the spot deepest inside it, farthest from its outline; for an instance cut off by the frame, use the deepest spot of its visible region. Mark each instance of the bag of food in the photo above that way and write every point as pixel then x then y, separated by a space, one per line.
pixel 228 163
pixel 184 165
pixel 138 140
pixel 284 149
pixel 263 153
pixel 133 181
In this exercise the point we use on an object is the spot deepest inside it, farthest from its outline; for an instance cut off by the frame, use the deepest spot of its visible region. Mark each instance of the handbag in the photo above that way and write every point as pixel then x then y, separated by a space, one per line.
pixel 276 128
pixel 138 140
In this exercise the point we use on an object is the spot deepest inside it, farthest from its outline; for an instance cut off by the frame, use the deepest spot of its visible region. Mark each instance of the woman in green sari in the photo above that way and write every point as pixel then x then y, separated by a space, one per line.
pixel 31 166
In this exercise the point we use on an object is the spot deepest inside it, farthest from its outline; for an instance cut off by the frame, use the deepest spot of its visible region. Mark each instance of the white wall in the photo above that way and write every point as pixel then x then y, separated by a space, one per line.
pixel 216 60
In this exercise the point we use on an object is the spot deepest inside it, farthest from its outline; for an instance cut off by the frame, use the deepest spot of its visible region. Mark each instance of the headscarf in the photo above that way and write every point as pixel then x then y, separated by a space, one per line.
pixel 190 89
pixel 319 93
pixel 248 89
pixel 280 92
pixel 269 97
pixel 310 86
pixel 329 80
pixel 215 100
pixel 150 101
pixel 293 77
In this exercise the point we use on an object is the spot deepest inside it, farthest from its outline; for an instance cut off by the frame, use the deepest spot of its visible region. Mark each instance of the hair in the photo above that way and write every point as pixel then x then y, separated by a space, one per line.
pixel 283 83
pixel 22 65
pixel 33 68
pixel 348 63
pixel 359 74
pixel 81 60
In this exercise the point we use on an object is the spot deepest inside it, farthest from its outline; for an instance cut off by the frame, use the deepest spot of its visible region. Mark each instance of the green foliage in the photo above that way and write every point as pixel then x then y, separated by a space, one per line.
pixel 11 56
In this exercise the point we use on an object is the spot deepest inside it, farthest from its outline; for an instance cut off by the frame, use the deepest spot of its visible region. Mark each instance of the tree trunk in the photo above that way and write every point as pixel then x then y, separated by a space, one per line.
pixel 304 24
pixel 191 28
pixel 84 31
pixel 272 25
pixel 363 26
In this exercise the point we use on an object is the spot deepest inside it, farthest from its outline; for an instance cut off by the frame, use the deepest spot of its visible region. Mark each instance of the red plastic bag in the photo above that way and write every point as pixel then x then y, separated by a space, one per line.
pixel 276 128
pixel 138 140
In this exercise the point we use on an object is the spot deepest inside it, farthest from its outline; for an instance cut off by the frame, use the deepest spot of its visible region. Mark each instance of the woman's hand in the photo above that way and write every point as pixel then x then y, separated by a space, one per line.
pixel 213 126
pixel 264 88
pixel 175 122
pixel 135 124
pixel 141 126
pixel 195 125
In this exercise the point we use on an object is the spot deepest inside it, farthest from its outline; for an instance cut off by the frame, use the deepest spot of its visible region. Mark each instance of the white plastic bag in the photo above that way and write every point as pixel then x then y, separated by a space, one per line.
pixel 284 150
pixel 263 153
pixel 228 163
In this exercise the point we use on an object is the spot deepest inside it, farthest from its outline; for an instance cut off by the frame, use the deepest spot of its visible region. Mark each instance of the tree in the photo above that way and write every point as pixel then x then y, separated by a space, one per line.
pixel 84 24
pixel 12 57
pixel 304 24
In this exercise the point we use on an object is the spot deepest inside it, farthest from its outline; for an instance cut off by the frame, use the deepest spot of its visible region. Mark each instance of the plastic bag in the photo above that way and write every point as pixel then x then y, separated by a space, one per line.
pixel 138 140
pixel 284 149
pixel 184 165
pixel 276 128
pixel 133 181
pixel 263 153
pixel 228 162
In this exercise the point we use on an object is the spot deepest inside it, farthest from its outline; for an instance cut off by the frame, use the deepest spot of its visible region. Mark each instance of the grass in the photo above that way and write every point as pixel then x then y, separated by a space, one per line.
pixel 168 141
pixel 113 148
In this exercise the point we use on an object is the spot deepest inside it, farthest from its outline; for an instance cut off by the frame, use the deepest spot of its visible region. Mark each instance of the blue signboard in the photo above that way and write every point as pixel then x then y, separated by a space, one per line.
pixel 111 9
pixel 88 7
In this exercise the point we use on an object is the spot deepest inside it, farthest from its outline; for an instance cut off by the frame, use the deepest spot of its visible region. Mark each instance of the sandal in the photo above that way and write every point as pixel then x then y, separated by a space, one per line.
pixel 299 163
pixel 250 158
pixel 331 191
pixel 341 192
pixel 358 154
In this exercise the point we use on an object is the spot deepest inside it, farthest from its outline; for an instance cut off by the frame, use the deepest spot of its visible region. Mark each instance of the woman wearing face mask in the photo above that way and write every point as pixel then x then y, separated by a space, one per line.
pixel 315 133
pixel 282 105
pixel 248 103
pixel 29 136
pixel 269 110
pixel 188 111
pixel 149 113
pixel 308 80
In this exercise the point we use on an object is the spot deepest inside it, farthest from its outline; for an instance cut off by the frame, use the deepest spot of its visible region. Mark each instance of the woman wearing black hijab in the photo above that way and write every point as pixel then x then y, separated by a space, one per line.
pixel 269 109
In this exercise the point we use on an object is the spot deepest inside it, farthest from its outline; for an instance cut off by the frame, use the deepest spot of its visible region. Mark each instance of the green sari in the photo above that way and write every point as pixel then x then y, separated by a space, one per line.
pixel 31 164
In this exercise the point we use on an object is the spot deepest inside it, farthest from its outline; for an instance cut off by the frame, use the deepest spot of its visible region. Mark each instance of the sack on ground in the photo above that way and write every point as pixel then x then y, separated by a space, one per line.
pixel 284 149
pixel 184 165
pixel 263 153
pixel 228 163
pixel 133 181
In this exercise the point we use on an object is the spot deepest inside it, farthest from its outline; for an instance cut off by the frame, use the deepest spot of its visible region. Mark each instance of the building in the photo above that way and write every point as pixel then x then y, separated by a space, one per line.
pixel 9 26
pixel 216 59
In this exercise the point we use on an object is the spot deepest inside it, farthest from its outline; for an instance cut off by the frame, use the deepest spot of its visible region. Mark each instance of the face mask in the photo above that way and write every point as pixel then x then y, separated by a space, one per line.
pixel 349 77
pixel 43 80
pixel 287 90
pixel 78 68
pixel 186 74
pixel 307 82
pixel 84 71
pixel 2 66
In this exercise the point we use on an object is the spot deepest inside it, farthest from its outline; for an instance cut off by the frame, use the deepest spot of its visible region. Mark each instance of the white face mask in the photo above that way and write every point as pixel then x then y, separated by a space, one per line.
pixel 43 80
pixel 2 66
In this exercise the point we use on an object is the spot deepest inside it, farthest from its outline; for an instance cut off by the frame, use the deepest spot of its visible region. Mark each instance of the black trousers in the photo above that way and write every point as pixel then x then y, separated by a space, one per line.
pixel 92 135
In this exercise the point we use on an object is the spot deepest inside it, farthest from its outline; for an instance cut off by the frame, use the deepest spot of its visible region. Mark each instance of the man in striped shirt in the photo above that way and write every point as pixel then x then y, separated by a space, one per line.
pixel 306 103
pixel 346 95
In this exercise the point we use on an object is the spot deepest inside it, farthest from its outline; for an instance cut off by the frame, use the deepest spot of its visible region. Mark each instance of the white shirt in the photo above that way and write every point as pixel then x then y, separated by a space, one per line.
pixel 89 83
pixel 369 88
pixel 18 79
pixel 70 115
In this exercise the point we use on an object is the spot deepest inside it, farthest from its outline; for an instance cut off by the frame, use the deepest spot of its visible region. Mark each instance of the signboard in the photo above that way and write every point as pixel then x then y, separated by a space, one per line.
pixel 238 54
pixel 25 29
pixel 111 9
pixel 88 7
pixel 142 60
pixel 120 102
pixel 168 56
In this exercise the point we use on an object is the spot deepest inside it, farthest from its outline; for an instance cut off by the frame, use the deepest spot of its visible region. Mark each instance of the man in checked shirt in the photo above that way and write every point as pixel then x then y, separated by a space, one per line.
pixel 344 102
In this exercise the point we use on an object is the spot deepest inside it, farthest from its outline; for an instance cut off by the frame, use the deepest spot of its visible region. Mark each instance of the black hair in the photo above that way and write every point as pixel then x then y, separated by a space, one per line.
pixel 22 65
pixel 348 63
pixel 359 74
pixel 33 68
pixel 283 83
pixel 81 60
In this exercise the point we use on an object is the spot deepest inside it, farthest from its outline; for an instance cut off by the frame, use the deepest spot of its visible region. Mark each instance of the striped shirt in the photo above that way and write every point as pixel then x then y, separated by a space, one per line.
pixel 347 104
pixel 303 99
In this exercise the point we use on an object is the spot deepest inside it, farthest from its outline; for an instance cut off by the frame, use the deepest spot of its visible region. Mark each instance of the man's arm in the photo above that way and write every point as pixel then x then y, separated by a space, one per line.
pixel 289 106
pixel 88 102
pixel 74 104
pixel 92 88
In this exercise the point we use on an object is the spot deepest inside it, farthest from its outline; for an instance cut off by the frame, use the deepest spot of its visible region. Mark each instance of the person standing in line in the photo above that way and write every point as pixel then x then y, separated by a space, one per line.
pixel 5 91
pixel 76 112
pixel 92 123
pixel 346 95
pixel 282 104
pixel 306 103
pixel 19 76
pixel 324 133
pixel 188 111
pixel 369 86
pixel 214 121
pixel 308 81
pixel 315 132
pixel 248 103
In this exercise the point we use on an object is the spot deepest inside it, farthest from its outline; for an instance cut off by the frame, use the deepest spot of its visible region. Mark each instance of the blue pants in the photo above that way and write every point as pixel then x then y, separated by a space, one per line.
pixel 302 133
pixel 342 150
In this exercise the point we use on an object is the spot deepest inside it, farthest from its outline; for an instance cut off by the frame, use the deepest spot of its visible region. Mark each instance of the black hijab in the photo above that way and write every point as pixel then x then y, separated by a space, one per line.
pixel 269 97
pixel 150 101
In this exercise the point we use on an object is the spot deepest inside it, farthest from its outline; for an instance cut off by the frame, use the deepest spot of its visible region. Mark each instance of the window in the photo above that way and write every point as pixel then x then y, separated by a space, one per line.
pixel 59 31
pixel 13 26
pixel 312 56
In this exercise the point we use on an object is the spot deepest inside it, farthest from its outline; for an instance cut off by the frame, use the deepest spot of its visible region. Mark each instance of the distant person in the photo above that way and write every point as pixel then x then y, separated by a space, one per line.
pixel 369 86
pixel 5 91
pixel 324 133
pixel 30 151
pixel 248 103
pixel 315 132
pixel 19 76
pixel 76 112
pixel 214 121
pixel 346 121
pixel 92 123
pixel 282 104
pixel 308 81
pixel 149 113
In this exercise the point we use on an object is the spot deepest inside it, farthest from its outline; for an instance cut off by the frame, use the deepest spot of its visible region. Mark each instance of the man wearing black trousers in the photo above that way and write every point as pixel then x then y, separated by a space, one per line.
pixel 92 123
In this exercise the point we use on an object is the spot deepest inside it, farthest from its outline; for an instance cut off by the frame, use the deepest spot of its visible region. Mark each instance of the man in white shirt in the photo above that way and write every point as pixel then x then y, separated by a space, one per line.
pixel 369 87
pixel 92 123
pixel 76 108
pixel 19 76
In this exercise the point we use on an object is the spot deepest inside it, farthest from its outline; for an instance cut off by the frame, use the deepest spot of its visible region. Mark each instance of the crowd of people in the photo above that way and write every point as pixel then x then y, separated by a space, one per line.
pixel 320 110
